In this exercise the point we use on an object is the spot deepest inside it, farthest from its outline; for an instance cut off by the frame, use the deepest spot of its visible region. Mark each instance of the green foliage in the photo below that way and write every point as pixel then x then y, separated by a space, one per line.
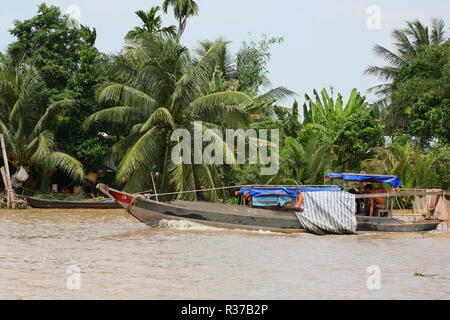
pixel 151 23
pixel 92 153
pixel 67 63
pixel 52 46
pixel 57 91
pixel 354 139
pixel 289 120
pixel 303 161
pixel 442 166
pixel 25 124
pixel 409 42
pixel 251 63
pixel 421 92
pixel 415 169
pixel 182 10
pixel 352 129
pixel 157 100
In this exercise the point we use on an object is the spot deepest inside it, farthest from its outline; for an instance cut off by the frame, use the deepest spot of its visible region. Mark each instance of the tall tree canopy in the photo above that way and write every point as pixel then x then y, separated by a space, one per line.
pixel 421 95
pixel 151 22
pixel 50 43
pixel 165 92
pixel 409 42
pixel 68 64
pixel 25 123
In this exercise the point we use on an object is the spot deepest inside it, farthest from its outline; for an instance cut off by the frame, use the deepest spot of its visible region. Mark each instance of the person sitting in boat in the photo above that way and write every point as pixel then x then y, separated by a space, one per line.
pixel 376 203
pixel 359 211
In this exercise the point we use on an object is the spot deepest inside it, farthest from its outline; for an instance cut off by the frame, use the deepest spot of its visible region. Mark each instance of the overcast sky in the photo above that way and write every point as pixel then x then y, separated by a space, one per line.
pixel 326 43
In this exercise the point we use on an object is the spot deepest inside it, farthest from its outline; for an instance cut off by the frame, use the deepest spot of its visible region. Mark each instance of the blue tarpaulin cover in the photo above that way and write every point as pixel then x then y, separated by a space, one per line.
pixel 283 191
pixel 279 196
pixel 392 180
pixel 268 201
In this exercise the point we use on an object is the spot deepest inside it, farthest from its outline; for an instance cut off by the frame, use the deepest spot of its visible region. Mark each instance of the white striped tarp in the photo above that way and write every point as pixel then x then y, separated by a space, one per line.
pixel 328 212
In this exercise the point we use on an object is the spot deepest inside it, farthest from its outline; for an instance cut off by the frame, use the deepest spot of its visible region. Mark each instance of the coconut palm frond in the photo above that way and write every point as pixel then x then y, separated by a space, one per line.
pixel 145 150
pixel 278 93
pixel 51 114
pixel 438 35
pixel 116 117
pixel 64 162
pixel 219 102
pixel 389 56
pixel 126 95
pixel 385 73
pixel 120 148
pixel 161 116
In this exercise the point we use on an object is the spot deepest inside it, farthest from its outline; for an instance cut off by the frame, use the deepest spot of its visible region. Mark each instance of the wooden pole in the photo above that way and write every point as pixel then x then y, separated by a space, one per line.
pixel 2 171
pixel 10 190
pixel 154 187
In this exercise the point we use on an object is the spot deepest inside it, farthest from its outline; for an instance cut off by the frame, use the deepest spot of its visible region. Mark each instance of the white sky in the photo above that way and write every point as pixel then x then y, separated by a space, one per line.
pixel 326 43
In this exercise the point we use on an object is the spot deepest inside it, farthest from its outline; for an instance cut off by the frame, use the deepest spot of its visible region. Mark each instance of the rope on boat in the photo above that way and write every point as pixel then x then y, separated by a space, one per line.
pixel 223 188
pixel 133 202
pixel 182 192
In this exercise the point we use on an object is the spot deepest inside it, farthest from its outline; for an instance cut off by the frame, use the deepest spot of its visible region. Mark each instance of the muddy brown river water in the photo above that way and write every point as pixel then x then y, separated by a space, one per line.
pixel 101 254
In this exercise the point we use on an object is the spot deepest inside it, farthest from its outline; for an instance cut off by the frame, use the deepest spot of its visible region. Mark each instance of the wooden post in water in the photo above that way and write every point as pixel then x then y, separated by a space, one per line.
pixel 2 171
pixel 9 190
pixel 154 187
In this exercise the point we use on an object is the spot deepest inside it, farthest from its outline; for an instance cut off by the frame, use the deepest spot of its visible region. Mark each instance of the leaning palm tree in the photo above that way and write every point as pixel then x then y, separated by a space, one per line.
pixel 303 162
pixel 409 42
pixel 25 124
pixel 151 23
pixel 182 9
pixel 163 95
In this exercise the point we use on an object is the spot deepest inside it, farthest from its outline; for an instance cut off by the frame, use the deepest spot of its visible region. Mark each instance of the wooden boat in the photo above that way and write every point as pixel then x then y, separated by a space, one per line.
pixel 71 204
pixel 240 216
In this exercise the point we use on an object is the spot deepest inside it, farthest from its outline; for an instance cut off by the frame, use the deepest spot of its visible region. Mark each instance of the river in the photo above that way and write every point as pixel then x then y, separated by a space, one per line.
pixel 102 254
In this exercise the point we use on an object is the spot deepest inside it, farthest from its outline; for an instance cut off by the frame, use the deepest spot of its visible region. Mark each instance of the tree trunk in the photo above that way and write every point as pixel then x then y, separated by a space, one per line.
pixel 181 28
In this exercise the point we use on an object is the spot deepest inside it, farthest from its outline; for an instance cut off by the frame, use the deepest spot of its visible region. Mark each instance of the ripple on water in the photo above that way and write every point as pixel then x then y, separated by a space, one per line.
pixel 120 258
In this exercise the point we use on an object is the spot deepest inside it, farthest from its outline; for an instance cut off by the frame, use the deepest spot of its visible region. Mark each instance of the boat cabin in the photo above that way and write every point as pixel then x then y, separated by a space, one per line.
pixel 370 199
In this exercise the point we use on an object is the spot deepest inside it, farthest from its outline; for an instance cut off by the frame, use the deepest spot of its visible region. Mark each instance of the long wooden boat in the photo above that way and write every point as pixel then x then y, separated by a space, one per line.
pixel 231 216
pixel 71 204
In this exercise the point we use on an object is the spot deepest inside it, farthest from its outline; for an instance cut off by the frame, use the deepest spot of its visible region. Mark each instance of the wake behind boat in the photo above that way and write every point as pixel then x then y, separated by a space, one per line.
pixel 269 208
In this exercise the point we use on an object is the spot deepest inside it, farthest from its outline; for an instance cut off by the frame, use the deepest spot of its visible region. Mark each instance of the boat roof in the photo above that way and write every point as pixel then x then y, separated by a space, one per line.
pixel 290 191
pixel 389 179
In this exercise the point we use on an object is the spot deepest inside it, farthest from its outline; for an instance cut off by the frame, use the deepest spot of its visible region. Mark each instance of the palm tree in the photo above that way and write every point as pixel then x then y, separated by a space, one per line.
pixel 406 161
pixel 165 92
pixel 182 9
pixel 409 42
pixel 24 124
pixel 151 23
pixel 225 64
pixel 303 161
